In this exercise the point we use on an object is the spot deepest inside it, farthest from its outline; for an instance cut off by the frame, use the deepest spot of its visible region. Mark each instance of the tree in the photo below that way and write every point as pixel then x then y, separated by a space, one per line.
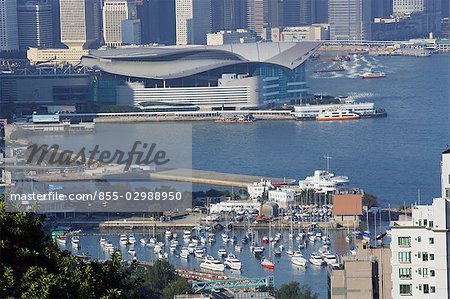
pixel 293 290
pixel 178 287
pixel 370 200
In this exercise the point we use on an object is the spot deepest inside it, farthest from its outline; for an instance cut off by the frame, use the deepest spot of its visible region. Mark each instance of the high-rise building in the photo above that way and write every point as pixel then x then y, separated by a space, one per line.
pixel 429 10
pixel 193 21
pixel 148 13
pixel 120 19
pixel 306 12
pixel 257 16
pixel 9 40
pixel 320 14
pixel 35 25
pixel 275 14
pixel 56 30
pixel 381 8
pixel 349 19
pixel 420 246
pixel 80 24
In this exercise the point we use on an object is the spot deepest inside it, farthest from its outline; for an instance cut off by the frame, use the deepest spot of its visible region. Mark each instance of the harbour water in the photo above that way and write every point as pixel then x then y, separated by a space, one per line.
pixel 284 272
pixel 391 157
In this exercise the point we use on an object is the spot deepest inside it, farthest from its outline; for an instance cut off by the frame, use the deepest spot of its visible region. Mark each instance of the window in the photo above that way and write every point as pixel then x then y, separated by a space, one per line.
pixel 405 289
pixel 426 289
pixel 431 223
pixel 404 241
pixel 419 255
pixel 432 273
pixel 425 272
pixel 447 193
pixel 431 240
pixel 404 257
pixel 419 239
pixel 431 257
pixel 425 222
pixel 404 273
pixel 432 289
pixel 425 257
pixel 419 270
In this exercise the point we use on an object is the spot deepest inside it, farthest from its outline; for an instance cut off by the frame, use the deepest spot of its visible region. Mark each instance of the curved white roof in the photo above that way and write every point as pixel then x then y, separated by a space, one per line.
pixel 171 62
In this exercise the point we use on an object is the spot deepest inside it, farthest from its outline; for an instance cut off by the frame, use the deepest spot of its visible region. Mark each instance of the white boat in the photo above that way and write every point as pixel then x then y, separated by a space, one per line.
pixel 316 259
pixel 184 253
pixel 290 252
pixel 123 240
pixel 329 258
pixel 210 263
pixel 338 114
pixel 232 262
pixel 299 260
pixel 75 241
pixel 225 237
pixel 366 235
pixel 131 240
pixel 258 250
pixel 168 234
pixel 173 248
pixel 222 252
pixel 143 241
pixel 158 247
pixel 297 253
pixel 199 251
pixel 301 245
pixel 191 248
pixel 132 252
pixel 266 263
pixel 187 234
pixel 61 239
pixel 102 241
pixel 312 239
pixel 238 248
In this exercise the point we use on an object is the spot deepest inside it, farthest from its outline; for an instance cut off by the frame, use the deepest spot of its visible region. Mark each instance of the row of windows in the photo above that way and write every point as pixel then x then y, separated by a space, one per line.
pixel 405 256
pixel 406 241
pixel 406 289
pixel 406 273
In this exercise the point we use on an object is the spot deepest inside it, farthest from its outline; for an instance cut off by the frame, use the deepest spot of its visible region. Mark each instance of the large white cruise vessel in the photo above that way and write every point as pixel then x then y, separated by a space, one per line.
pixel 311 112
pixel 324 181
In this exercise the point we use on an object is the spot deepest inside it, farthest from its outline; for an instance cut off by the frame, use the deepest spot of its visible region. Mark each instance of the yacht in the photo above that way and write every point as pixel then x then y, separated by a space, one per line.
pixel 168 234
pixel 143 241
pixel 222 252
pixel 210 263
pixel 331 115
pixel 123 240
pixel 258 250
pixel 102 241
pixel 61 239
pixel 290 252
pixel 316 259
pixel 299 260
pixel 132 252
pixel 131 239
pixel 238 248
pixel 225 237
pixel 173 248
pixel 232 262
pixel 199 251
pixel 267 264
pixel 75 241
pixel 329 258
pixel 187 235
pixel 366 235
pixel 191 248
pixel 184 253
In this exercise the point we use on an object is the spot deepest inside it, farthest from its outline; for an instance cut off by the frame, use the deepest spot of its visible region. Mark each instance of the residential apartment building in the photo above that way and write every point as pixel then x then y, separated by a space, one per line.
pixel 420 247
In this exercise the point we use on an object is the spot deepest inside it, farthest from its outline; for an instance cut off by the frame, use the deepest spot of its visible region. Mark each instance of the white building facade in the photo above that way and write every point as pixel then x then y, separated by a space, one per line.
pixel 193 21
pixel 9 36
pixel 420 247
pixel 116 14
pixel 80 24
pixel 284 197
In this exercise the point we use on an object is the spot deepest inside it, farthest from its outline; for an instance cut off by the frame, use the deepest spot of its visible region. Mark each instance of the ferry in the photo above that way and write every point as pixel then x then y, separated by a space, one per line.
pixel 364 110
pixel 332 115
pixel 210 263
pixel 373 75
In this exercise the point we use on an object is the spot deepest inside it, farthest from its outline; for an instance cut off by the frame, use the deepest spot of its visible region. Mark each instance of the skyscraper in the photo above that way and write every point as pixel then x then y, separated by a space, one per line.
pixel 429 10
pixel 349 19
pixel 193 21
pixel 80 24
pixel 321 11
pixel 9 40
pixel 35 25
pixel 382 8
pixel 306 12
pixel 257 15
pixel 120 17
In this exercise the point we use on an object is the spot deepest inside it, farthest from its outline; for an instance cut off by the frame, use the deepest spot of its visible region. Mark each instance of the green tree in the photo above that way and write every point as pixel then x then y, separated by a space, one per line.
pixel 178 287
pixel 370 200
pixel 293 290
